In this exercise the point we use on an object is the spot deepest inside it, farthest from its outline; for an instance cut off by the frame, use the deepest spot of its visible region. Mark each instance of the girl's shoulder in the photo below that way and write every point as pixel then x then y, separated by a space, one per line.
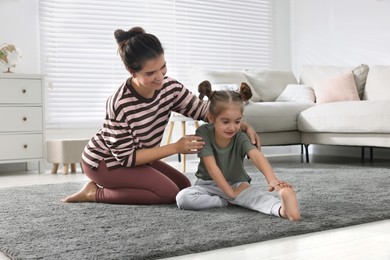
pixel 205 128
pixel 242 136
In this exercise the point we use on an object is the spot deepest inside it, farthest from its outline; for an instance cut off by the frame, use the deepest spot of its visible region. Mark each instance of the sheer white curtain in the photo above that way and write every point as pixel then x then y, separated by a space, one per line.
pixel 79 55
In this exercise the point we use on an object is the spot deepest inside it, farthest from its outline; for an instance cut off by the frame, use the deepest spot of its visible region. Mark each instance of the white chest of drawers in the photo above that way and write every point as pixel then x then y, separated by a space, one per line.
pixel 21 118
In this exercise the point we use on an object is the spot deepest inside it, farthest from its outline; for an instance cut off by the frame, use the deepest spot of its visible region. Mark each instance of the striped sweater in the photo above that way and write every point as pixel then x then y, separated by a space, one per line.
pixel 133 122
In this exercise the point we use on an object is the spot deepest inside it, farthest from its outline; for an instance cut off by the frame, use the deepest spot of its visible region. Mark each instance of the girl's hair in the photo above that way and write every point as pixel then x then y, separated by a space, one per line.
pixel 135 47
pixel 219 99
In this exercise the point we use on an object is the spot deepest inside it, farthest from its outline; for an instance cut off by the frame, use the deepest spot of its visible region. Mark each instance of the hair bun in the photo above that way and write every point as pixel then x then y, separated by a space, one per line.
pixel 121 35
pixel 135 31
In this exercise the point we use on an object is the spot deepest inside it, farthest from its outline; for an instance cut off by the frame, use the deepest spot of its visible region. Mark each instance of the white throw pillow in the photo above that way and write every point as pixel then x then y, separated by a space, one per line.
pixel 233 87
pixel 269 84
pixel 297 93
pixel 378 83
pixel 219 78
pixel 339 88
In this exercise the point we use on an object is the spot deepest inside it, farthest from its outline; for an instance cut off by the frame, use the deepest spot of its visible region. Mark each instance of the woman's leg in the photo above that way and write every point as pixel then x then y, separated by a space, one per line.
pixel 176 176
pixel 137 185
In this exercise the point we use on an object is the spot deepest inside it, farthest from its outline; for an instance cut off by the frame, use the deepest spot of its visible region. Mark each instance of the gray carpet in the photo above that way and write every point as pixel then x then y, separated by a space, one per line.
pixel 34 224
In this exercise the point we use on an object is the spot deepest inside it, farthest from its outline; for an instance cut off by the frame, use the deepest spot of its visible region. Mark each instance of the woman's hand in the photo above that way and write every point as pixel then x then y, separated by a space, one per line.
pixel 278 184
pixel 189 144
pixel 253 136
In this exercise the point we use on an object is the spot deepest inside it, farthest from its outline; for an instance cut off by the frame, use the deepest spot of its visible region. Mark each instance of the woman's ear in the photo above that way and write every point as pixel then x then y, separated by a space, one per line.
pixel 132 73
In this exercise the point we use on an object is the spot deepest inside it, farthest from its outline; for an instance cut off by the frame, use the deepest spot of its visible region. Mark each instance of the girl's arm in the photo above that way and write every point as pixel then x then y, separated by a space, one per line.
pixel 265 167
pixel 217 176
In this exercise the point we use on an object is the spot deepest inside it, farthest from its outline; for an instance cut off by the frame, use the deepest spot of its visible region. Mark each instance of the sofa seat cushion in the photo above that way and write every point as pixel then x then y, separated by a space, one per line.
pixel 274 116
pixel 347 117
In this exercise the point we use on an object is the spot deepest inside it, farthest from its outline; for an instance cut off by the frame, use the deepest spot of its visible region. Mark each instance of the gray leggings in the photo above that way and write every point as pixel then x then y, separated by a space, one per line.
pixel 206 194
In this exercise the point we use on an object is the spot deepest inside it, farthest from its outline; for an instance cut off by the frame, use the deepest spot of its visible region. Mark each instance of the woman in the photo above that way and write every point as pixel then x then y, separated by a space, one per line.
pixel 123 158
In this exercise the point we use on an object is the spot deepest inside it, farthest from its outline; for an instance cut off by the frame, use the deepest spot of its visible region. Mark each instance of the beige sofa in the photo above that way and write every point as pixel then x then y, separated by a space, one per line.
pixel 364 122
pixel 329 105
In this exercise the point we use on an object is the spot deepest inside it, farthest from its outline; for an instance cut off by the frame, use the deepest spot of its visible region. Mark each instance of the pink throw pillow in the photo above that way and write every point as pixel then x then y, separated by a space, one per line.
pixel 340 88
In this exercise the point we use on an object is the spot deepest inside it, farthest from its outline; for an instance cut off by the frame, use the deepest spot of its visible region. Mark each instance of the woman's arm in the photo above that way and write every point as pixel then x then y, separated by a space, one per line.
pixel 189 144
pixel 253 136
pixel 217 176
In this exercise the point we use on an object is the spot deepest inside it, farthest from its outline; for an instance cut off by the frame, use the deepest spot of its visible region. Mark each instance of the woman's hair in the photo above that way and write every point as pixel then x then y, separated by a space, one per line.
pixel 135 47
pixel 220 98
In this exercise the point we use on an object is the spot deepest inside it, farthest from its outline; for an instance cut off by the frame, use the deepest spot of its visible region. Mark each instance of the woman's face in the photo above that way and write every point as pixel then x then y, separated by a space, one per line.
pixel 150 78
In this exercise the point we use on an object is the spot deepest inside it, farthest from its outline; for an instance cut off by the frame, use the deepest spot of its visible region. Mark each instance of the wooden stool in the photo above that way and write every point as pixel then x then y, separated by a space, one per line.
pixel 65 152
pixel 176 117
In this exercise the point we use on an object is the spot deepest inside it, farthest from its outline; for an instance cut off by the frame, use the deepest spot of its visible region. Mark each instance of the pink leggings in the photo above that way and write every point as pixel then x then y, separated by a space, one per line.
pixel 155 183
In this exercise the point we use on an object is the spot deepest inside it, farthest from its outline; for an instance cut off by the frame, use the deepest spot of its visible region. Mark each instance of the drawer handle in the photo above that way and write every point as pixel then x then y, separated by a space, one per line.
pixel 25 146
pixel 24 91
pixel 24 118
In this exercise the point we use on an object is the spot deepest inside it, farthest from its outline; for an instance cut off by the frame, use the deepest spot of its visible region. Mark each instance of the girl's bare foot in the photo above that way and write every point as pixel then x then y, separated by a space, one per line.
pixel 86 194
pixel 289 208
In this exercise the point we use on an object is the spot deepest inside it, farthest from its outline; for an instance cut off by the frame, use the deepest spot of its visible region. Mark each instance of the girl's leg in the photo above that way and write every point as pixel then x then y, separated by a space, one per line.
pixel 137 185
pixel 255 199
pixel 289 208
pixel 203 195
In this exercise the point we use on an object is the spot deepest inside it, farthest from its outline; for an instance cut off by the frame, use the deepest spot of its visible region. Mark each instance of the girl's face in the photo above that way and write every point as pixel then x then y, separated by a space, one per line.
pixel 150 78
pixel 227 123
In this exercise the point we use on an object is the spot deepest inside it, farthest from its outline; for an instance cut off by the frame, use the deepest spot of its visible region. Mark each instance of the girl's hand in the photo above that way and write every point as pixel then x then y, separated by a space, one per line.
pixel 278 184
pixel 239 189
pixel 189 144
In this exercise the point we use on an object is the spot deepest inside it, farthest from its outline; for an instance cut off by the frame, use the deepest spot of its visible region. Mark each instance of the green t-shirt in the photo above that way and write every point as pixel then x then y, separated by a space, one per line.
pixel 229 159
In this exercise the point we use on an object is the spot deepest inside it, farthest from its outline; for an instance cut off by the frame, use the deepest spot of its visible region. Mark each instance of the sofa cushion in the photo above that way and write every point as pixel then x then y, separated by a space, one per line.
pixel 269 84
pixel 312 74
pixel 339 88
pixel 220 78
pixel 273 116
pixel 378 83
pixel 297 93
pixel 347 117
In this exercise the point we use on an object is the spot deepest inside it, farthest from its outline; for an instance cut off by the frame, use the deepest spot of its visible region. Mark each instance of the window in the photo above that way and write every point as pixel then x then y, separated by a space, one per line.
pixel 79 56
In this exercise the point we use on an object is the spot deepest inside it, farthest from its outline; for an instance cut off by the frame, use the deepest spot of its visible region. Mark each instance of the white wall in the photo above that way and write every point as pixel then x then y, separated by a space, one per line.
pixel 340 32
pixel 19 25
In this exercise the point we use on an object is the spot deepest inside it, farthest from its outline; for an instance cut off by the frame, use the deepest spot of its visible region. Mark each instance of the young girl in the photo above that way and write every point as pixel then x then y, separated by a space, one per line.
pixel 222 178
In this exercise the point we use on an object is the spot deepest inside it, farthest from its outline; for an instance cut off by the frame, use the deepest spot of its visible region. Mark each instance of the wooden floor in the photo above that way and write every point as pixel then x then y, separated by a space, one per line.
pixel 368 241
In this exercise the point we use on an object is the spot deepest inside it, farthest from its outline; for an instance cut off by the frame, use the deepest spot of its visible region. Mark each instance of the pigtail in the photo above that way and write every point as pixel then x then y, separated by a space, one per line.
pixel 245 92
pixel 204 89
